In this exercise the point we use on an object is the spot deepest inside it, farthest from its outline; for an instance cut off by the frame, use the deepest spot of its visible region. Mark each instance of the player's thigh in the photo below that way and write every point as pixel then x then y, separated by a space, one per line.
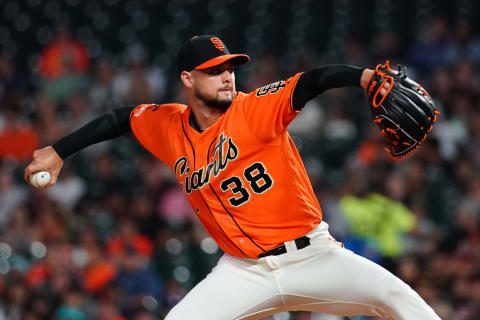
pixel 328 278
pixel 233 290
pixel 341 282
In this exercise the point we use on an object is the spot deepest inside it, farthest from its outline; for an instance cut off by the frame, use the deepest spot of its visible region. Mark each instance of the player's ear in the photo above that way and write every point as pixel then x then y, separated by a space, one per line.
pixel 187 79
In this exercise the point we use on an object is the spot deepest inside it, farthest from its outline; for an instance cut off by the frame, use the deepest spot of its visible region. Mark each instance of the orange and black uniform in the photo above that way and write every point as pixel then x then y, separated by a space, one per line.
pixel 243 175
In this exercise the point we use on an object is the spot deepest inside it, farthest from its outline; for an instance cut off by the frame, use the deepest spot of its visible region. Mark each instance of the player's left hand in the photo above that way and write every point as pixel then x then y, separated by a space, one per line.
pixel 45 159
pixel 402 109
pixel 367 74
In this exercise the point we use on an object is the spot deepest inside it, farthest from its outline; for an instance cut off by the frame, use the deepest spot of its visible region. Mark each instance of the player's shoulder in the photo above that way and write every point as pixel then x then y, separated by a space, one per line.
pixel 164 109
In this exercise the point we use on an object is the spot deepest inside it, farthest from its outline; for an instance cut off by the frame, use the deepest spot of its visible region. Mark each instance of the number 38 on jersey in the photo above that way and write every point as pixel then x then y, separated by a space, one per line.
pixel 257 180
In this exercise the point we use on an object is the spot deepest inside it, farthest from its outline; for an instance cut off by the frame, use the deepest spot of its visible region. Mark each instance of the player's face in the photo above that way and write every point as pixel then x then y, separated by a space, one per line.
pixel 215 87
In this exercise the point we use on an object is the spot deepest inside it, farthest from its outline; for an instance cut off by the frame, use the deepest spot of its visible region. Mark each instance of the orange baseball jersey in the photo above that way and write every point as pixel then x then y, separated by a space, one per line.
pixel 243 175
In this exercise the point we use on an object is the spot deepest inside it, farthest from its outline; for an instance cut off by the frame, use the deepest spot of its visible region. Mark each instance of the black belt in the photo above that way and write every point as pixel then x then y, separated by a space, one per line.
pixel 301 243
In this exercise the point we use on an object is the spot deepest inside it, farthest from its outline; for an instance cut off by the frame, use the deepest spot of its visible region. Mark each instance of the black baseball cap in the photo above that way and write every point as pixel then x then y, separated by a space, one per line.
pixel 206 51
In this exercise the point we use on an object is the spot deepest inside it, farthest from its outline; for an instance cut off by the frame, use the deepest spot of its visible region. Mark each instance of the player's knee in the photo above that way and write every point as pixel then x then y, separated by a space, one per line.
pixel 394 293
pixel 399 288
pixel 400 301
pixel 392 289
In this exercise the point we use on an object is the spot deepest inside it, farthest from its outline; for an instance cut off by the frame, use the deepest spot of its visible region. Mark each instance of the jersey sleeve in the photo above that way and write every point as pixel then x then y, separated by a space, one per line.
pixel 269 110
pixel 149 123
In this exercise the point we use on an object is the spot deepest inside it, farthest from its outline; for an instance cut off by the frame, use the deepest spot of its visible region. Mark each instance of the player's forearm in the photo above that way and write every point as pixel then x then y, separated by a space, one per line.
pixel 106 127
pixel 318 80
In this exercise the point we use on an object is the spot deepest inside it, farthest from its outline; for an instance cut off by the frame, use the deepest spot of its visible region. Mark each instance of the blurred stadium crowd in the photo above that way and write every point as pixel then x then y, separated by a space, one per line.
pixel 115 238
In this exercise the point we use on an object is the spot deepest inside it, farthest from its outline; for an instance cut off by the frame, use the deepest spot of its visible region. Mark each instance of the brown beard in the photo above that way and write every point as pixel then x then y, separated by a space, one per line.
pixel 210 102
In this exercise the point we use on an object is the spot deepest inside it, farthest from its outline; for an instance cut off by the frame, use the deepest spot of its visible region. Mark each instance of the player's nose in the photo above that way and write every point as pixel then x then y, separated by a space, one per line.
pixel 227 75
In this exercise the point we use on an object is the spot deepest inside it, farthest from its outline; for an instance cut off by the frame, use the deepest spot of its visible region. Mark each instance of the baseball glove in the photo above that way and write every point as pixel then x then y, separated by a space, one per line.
pixel 405 114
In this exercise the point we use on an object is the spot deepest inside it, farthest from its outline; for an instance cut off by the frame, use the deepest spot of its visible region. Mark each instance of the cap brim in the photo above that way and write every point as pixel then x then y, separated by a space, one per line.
pixel 237 60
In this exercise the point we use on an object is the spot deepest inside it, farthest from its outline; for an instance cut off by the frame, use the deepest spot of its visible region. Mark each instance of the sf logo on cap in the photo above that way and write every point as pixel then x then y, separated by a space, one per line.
pixel 217 43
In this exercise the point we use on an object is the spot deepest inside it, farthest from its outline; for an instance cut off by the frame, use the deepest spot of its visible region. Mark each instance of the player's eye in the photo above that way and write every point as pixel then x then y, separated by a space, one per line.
pixel 213 72
pixel 217 71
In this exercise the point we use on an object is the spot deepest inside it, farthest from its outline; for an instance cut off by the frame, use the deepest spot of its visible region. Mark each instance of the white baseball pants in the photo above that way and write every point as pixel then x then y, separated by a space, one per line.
pixel 323 277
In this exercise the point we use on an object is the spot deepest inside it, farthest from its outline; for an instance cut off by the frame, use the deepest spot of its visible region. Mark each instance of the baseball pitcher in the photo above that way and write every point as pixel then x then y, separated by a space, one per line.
pixel 238 167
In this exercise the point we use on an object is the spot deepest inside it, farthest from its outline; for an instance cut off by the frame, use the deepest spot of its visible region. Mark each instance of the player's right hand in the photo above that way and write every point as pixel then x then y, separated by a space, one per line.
pixel 45 159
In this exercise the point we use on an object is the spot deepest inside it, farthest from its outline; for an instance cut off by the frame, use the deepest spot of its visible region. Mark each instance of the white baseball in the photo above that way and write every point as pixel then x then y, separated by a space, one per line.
pixel 40 179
